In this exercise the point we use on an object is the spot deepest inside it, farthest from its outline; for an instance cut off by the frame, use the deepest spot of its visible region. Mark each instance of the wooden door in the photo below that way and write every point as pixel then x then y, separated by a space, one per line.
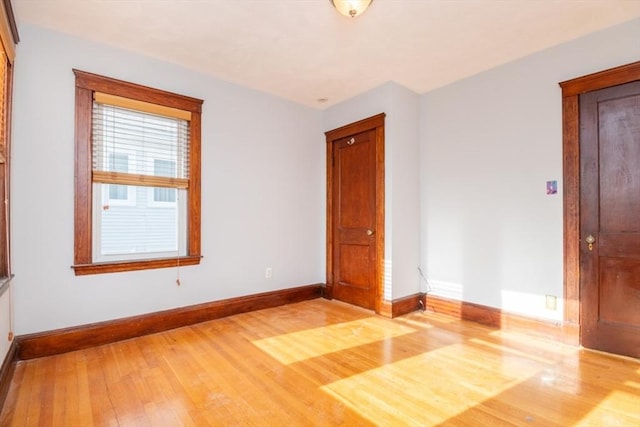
pixel 610 219
pixel 355 213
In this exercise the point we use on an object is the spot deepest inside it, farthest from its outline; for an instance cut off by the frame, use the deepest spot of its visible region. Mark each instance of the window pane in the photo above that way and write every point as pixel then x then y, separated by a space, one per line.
pixel 137 222
pixel 117 192
pixel 131 231
pixel 118 162
pixel 164 168
pixel 164 195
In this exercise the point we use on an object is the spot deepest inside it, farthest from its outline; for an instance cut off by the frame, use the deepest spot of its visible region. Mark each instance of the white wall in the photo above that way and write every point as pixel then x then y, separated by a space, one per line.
pixel 263 190
pixel 6 321
pixel 489 143
pixel 404 174
pixel 401 177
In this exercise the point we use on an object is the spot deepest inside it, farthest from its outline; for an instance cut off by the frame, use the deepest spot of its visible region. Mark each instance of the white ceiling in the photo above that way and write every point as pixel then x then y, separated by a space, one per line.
pixel 303 50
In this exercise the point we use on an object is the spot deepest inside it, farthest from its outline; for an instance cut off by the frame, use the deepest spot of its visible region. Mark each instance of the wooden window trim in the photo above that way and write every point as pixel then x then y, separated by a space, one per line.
pixel 8 40
pixel 8 30
pixel 86 85
pixel 119 101
pixel 5 176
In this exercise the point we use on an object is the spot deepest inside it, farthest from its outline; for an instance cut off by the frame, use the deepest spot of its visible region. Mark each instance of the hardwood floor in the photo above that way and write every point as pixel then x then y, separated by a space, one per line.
pixel 325 363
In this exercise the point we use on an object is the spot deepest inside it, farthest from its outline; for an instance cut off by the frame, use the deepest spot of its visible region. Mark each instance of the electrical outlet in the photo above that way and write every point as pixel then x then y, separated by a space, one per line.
pixel 551 302
pixel 268 272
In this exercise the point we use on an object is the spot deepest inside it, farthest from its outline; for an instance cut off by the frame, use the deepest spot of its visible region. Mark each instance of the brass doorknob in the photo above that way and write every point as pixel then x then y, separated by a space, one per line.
pixel 590 241
pixel 370 232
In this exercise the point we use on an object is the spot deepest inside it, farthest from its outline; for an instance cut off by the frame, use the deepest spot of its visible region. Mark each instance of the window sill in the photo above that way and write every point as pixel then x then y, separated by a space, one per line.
pixel 147 264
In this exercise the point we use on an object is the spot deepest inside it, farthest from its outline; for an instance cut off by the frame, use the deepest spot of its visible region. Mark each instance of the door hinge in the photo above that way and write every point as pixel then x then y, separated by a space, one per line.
pixel 10 336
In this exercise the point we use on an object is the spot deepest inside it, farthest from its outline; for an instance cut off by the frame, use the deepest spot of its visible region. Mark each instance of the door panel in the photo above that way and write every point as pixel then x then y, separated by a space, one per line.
pixel 619 288
pixel 355 266
pixel 610 214
pixel 619 150
pixel 354 219
pixel 353 157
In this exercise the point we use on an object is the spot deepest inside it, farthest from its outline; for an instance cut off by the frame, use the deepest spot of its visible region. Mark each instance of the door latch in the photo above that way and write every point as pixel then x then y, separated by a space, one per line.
pixel 590 241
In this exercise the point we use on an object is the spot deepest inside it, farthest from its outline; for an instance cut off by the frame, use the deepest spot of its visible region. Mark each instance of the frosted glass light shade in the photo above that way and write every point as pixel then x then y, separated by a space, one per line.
pixel 351 8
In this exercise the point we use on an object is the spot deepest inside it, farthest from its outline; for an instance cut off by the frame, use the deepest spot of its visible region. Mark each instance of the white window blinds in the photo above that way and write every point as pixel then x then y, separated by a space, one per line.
pixel 145 138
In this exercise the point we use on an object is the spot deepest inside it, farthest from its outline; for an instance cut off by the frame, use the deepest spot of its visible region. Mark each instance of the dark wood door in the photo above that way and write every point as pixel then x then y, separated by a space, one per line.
pixel 354 219
pixel 610 219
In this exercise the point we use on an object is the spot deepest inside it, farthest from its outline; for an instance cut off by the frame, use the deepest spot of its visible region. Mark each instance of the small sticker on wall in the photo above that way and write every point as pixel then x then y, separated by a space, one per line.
pixel 552 187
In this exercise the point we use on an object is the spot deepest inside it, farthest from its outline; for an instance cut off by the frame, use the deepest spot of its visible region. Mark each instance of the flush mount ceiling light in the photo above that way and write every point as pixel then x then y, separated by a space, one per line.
pixel 351 8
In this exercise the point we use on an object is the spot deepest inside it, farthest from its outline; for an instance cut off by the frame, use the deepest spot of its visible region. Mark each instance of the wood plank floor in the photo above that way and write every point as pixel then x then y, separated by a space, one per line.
pixel 324 363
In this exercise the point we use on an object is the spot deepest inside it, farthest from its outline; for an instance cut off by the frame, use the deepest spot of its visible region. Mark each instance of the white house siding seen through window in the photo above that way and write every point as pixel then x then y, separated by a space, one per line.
pixel 164 168
pixel 118 193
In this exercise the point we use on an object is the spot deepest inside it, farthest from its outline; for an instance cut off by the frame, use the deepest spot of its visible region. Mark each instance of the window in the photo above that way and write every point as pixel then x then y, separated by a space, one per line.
pixel 137 177
pixel 8 40
pixel 164 168
pixel 118 193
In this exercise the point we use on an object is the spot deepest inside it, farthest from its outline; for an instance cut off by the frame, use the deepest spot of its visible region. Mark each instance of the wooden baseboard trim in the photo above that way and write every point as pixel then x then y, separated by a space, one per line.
pixel 327 291
pixel 391 309
pixel 76 338
pixel 408 304
pixel 7 370
pixel 496 318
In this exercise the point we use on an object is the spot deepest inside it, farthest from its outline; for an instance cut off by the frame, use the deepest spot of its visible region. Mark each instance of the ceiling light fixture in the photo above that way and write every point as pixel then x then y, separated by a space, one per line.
pixel 351 8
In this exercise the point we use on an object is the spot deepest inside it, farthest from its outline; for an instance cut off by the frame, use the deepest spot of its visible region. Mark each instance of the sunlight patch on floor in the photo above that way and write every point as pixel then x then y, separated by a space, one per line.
pixel 302 345
pixel 612 410
pixel 461 386
pixel 633 384
pixel 503 349
pixel 544 345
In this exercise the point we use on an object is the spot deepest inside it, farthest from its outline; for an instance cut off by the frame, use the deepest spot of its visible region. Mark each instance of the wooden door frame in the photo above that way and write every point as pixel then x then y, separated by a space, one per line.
pixel 375 123
pixel 571 90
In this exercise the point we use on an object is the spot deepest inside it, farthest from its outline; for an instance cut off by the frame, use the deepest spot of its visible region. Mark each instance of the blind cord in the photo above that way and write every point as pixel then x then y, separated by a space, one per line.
pixel 178 251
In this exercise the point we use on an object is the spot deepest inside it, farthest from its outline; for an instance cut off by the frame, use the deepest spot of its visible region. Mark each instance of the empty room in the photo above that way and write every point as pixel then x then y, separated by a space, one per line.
pixel 320 213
